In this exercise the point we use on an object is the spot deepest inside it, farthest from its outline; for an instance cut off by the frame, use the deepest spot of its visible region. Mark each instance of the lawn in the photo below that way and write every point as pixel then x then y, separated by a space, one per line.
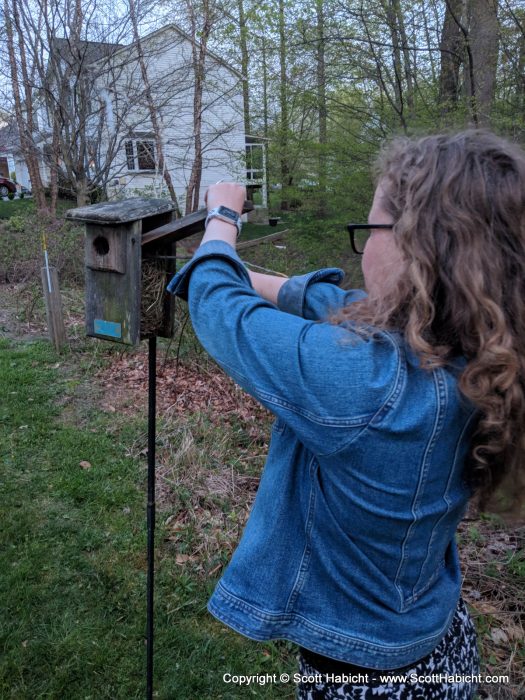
pixel 9 207
pixel 73 447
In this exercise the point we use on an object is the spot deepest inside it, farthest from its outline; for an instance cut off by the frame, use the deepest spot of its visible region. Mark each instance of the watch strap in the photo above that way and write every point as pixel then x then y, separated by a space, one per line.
pixel 225 214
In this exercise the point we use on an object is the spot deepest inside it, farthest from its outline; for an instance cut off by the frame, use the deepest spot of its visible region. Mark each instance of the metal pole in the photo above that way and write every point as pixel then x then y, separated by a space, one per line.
pixel 152 386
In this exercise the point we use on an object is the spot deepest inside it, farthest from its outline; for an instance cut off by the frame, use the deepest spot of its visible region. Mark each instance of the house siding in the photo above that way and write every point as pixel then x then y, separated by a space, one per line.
pixel 170 69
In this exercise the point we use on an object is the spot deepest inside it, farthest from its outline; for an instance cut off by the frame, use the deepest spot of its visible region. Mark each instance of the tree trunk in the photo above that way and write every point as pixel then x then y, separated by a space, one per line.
pixel 520 76
pixel 244 66
pixel 199 64
pixel 391 18
pixel 285 166
pixel 53 168
pixel 406 56
pixel 25 124
pixel 484 45
pixel 452 47
pixel 82 190
pixel 265 118
pixel 322 111
pixel 159 146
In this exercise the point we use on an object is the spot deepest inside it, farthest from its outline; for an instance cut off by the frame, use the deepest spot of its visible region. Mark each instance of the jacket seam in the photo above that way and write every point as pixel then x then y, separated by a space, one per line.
pixel 385 406
pixel 398 383
pixel 438 424
pixel 446 498
pixel 329 421
pixel 307 552
pixel 291 617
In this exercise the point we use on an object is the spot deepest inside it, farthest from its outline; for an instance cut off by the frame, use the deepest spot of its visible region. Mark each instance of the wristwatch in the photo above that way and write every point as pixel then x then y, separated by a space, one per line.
pixel 225 214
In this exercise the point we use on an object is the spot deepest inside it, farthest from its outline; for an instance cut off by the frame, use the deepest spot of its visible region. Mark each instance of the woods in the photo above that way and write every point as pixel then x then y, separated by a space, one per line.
pixel 325 83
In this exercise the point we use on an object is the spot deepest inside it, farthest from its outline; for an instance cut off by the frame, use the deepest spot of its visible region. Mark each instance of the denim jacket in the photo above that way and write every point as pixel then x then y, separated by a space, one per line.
pixel 350 547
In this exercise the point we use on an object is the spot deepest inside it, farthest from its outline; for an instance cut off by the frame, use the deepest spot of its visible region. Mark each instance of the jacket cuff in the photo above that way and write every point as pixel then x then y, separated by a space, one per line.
pixel 215 248
pixel 292 293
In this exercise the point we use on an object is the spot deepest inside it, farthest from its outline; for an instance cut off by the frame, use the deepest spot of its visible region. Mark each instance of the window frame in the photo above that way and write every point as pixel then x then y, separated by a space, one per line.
pixel 133 155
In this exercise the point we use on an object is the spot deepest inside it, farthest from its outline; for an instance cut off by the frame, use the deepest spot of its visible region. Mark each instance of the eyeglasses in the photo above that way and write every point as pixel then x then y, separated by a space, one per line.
pixel 359 235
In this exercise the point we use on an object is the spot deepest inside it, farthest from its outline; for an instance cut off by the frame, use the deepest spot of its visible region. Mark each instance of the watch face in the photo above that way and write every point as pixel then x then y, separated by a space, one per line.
pixel 225 211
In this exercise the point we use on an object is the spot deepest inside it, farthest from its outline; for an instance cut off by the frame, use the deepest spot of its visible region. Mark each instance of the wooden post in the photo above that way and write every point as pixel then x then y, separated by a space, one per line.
pixel 55 317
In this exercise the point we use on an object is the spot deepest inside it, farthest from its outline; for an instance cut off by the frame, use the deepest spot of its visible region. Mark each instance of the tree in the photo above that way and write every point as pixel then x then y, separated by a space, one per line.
pixel 322 107
pixel 484 46
pixel 152 108
pixel 199 52
pixel 452 48
pixel 64 58
pixel 23 96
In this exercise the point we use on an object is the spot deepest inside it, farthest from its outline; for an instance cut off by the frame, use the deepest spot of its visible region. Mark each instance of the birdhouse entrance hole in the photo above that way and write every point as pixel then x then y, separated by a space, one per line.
pixel 101 245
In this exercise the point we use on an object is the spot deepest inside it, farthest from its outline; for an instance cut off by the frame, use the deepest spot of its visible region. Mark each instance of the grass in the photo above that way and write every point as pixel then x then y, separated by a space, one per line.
pixel 10 207
pixel 73 555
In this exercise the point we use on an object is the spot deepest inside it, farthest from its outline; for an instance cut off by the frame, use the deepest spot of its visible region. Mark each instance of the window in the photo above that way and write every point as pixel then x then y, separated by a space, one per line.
pixel 140 155
pixel 129 155
pixel 254 161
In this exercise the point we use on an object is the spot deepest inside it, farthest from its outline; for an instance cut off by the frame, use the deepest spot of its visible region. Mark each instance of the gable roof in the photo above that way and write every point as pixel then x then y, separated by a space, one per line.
pixel 181 33
pixel 85 51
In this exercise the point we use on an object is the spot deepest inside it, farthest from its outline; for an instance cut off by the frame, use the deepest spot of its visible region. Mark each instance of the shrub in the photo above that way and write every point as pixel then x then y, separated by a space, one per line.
pixel 21 255
pixel 16 223
pixel 10 195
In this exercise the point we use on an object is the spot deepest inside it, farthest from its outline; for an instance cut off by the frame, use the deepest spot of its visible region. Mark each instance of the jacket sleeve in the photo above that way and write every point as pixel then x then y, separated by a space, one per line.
pixel 322 380
pixel 315 295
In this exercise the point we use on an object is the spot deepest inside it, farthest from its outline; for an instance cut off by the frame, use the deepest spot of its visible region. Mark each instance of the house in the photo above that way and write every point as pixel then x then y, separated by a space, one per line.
pixel 12 164
pixel 121 141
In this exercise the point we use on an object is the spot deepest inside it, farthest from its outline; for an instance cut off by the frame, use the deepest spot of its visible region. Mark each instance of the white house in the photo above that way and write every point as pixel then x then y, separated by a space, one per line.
pixel 125 137
pixel 11 161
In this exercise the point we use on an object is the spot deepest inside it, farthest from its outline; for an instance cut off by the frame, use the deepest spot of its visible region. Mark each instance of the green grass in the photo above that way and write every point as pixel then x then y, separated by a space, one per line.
pixel 251 231
pixel 9 208
pixel 72 556
pixel 310 244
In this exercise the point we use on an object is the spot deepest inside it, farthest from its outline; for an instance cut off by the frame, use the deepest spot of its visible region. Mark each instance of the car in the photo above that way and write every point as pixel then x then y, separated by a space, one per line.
pixel 6 186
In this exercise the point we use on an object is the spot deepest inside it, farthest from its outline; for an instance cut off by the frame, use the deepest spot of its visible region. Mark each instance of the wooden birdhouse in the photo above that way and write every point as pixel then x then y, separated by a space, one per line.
pixel 130 256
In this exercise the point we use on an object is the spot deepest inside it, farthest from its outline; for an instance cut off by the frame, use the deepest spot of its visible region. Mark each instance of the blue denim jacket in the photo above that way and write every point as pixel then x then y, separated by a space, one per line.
pixel 350 547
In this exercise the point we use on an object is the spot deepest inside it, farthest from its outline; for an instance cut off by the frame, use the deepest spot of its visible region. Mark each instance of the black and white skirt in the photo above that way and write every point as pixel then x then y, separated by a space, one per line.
pixel 456 655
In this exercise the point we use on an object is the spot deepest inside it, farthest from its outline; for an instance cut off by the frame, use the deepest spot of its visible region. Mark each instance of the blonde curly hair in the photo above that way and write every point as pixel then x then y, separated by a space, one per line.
pixel 458 206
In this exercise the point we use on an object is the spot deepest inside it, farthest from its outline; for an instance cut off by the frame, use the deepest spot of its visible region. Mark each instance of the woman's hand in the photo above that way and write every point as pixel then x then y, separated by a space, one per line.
pixel 226 194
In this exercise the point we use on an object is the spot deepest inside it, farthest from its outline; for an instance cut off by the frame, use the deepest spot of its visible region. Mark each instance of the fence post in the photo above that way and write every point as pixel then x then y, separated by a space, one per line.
pixel 55 317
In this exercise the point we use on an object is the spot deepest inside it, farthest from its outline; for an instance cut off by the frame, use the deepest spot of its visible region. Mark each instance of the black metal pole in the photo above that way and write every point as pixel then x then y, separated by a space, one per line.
pixel 152 390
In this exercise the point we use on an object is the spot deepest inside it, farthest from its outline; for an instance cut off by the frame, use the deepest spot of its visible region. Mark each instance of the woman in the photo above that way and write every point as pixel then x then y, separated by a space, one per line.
pixel 393 407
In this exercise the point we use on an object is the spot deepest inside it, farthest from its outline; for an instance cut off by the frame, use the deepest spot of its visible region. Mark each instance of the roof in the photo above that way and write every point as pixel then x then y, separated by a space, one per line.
pixel 86 51
pixel 184 35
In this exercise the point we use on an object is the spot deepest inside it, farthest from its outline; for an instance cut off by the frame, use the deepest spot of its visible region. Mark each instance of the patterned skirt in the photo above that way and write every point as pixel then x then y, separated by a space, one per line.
pixel 456 655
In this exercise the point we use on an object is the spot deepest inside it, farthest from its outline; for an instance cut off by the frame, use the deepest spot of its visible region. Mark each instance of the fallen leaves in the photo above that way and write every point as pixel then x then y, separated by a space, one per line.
pixel 496 598
pixel 181 390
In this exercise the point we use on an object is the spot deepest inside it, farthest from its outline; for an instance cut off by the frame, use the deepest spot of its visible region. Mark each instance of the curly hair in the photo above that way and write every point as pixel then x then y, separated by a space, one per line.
pixel 458 207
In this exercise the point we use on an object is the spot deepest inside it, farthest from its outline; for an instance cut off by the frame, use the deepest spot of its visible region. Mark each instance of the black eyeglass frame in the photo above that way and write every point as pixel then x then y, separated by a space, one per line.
pixel 352 228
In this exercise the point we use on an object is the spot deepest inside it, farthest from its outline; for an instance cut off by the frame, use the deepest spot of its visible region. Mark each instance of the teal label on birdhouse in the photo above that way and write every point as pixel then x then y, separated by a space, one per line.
pixel 112 330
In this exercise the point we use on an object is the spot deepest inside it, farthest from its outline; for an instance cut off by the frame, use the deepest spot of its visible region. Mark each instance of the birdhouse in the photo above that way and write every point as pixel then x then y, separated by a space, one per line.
pixel 130 259
pixel 126 298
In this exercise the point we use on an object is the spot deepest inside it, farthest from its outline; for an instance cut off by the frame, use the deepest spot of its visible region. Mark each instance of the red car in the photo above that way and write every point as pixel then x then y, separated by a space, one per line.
pixel 6 186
